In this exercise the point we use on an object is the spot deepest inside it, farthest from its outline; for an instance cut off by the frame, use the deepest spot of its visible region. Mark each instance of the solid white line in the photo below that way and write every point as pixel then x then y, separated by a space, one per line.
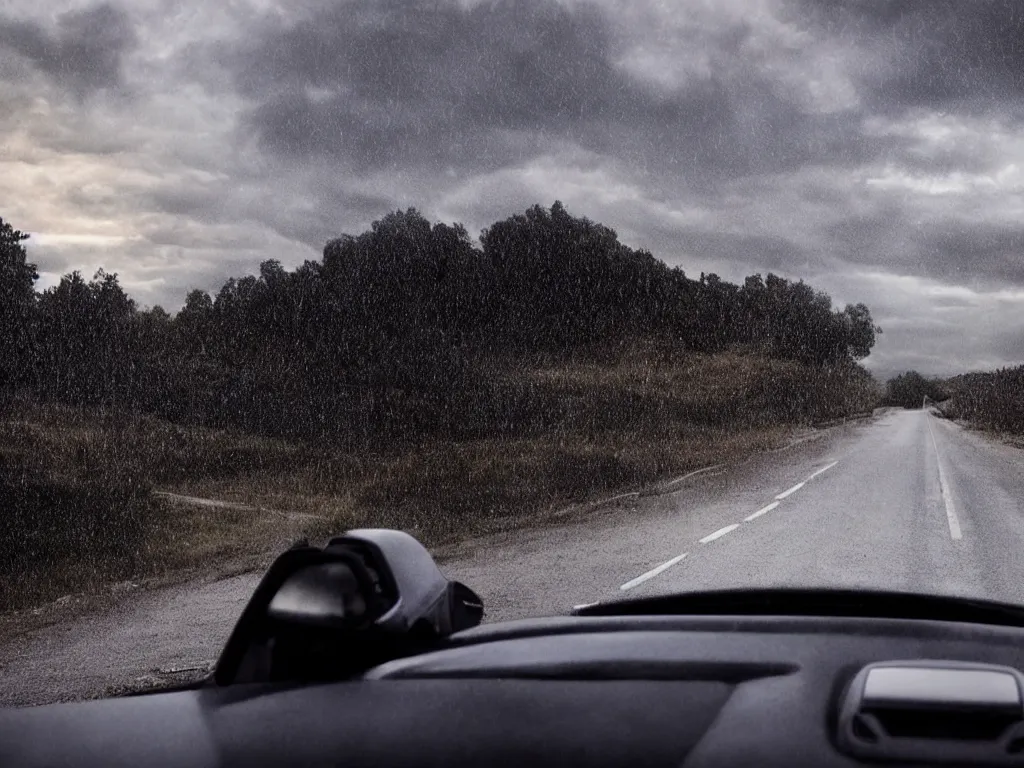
pixel 199 502
pixel 761 511
pixel 792 490
pixel 947 496
pixel 620 496
pixel 592 505
pixel 719 533
pixel 653 572
pixel 688 475
pixel 823 469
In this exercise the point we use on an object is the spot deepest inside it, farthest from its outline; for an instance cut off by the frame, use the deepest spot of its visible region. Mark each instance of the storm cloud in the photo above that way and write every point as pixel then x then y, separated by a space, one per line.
pixel 934 54
pixel 479 87
pixel 83 50
pixel 874 148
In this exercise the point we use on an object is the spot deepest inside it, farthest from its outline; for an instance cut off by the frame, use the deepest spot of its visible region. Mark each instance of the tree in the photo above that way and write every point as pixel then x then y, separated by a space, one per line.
pixel 908 390
pixel 87 341
pixel 17 309
pixel 560 283
pixel 991 400
pixel 860 330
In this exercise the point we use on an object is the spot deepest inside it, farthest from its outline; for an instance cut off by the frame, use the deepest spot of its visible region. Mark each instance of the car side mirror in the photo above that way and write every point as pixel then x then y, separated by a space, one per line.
pixel 320 595
pixel 369 596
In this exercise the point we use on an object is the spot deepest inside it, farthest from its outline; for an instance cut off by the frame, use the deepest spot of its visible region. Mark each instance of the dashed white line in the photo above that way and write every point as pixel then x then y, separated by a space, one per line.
pixel 798 486
pixel 581 606
pixel 790 491
pixel 947 496
pixel 719 533
pixel 762 511
pixel 823 469
pixel 653 572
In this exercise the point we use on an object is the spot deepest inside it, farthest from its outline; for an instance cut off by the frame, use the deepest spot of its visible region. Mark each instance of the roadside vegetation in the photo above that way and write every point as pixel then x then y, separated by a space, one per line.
pixel 992 400
pixel 909 390
pixel 411 378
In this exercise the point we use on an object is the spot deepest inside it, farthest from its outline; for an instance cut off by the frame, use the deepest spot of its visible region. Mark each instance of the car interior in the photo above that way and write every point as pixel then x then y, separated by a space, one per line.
pixel 363 653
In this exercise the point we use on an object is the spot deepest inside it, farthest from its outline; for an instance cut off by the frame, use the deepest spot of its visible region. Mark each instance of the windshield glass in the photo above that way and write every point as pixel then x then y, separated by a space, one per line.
pixel 598 299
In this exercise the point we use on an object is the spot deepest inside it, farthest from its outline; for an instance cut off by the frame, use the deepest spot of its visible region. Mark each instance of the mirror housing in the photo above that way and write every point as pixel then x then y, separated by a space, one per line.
pixel 369 596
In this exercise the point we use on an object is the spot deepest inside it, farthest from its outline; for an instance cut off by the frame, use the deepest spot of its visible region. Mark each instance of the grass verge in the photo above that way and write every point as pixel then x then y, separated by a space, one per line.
pixel 83 482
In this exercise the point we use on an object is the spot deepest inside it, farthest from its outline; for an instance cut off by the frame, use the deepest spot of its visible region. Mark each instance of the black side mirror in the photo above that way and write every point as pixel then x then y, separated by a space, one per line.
pixel 369 596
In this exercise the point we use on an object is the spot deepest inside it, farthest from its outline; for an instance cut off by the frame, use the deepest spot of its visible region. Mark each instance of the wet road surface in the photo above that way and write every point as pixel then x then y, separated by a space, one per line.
pixel 904 501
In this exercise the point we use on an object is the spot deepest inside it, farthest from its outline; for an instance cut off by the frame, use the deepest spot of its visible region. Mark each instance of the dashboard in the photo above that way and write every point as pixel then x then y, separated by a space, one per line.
pixel 599 691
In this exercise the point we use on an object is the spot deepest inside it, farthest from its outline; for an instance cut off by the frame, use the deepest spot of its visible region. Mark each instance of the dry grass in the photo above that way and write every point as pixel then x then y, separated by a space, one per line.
pixel 182 537
pixel 609 428
pixel 727 390
pixel 452 488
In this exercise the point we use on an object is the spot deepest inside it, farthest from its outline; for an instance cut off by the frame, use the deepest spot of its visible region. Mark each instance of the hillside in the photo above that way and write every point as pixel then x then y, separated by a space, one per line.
pixel 82 481
pixel 395 330
pixel 410 378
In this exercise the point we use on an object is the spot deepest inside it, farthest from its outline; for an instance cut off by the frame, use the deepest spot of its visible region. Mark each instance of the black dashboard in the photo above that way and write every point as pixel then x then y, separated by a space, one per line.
pixel 699 690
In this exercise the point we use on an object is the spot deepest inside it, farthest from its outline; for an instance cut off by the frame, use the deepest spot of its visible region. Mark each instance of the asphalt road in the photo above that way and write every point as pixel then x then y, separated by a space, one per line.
pixel 865 507
pixel 905 501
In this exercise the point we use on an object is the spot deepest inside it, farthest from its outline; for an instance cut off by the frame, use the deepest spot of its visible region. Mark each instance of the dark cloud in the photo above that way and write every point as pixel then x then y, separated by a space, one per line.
pixel 934 54
pixel 963 253
pixel 869 237
pixel 214 204
pixel 337 211
pixel 199 204
pixel 965 156
pixel 439 85
pixel 959 253
pixel 1010 344
pixel 82 52
pixel 942 303
pixel 382 87
pixel 765 252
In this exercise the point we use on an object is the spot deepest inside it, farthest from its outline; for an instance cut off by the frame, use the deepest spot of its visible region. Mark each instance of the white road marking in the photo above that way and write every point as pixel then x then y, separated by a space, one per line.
pixel 628 495
pixel 593 504
pixel 761 511
pixel 947 496
pixel 798 486
pixel 653 572
pixel 719 533
pixel 790 491
pixel 823 469
pixel 581 606
pixel 199 502
pixel 688 475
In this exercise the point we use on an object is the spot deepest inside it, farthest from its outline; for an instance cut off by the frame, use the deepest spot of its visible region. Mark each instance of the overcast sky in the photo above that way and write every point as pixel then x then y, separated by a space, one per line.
pixel 875 149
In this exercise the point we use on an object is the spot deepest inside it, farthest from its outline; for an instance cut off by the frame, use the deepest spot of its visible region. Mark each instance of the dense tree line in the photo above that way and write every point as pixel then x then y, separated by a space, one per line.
pixel 991 400
pixel 393 329
pixel 909 390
